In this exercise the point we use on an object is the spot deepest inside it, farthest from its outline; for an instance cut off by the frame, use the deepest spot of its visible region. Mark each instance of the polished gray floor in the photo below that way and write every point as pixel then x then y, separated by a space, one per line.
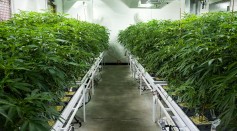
pixel 117 104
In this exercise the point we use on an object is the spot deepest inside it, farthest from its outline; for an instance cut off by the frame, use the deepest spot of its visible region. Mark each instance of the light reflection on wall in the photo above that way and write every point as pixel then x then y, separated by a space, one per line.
pixel 219 6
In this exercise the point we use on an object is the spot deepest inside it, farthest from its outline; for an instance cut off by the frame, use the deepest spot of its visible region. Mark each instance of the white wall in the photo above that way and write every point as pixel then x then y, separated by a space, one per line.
pixel 28 5
pixel 116 16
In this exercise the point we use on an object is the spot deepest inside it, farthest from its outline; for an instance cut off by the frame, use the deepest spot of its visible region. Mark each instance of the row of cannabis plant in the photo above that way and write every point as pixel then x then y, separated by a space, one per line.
pixel 196 55
pixel 41 55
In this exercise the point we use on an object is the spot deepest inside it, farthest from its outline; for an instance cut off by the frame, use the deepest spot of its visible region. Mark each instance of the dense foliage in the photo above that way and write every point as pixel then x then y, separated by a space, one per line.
pixel 42 54
pixel 197 55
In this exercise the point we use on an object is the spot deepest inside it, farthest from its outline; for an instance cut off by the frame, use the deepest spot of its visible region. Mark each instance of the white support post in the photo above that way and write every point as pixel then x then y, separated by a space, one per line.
pixel 93 84
pixel 140 85
pixel 159 108
pixel 84 103
pixel 134 72
pixel 128 58
pixel 102 63
pixel 154 109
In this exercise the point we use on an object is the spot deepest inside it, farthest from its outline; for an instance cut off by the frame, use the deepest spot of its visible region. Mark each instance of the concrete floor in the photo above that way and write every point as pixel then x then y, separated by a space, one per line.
pixel 117 104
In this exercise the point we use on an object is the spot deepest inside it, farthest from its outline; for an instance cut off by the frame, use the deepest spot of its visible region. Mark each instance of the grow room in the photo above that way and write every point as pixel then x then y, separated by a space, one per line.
pixel 118 65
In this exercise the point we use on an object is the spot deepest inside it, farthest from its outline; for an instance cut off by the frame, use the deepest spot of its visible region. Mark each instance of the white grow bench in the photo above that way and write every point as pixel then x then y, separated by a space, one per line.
pixel 175 116
pixel 78 99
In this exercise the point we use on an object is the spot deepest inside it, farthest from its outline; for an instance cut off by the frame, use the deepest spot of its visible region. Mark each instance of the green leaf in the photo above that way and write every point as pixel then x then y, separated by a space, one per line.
pixel 73 63
pixel 35 125
pixel 4 114
pixel 210 62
